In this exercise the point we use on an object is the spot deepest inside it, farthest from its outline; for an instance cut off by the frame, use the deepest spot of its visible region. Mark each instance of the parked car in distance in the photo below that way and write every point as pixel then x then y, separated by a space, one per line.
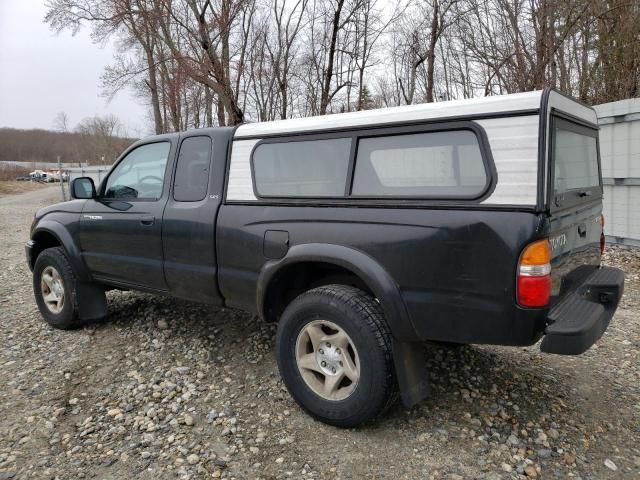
pixel 39 176
pixel 363 235
pixel 50 176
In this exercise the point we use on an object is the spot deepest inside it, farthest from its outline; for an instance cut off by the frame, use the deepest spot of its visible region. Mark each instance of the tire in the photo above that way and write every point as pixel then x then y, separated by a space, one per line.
pixel 53 274
pixel 343 315
pixel 450 345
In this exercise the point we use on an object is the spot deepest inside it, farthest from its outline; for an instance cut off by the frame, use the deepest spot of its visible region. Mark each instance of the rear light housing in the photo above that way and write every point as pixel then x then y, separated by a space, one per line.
pixel 602 235
pixel 533 287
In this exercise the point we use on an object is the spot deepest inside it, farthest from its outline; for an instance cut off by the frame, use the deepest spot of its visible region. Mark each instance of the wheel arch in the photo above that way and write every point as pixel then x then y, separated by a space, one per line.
pixel 50 233
pixel 351 266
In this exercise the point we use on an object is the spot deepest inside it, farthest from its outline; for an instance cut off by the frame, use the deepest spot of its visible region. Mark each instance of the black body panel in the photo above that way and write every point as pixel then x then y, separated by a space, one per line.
pixel 455 270
pixel 122 241
pixel 574 234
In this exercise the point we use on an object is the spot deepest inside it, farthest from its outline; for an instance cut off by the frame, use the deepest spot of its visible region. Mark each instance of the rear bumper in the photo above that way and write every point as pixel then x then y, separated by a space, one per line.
pixel 581 318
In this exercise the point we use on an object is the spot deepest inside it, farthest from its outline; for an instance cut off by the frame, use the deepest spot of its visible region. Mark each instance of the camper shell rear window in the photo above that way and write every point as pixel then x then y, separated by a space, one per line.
pixel 441 162
pixel 575 163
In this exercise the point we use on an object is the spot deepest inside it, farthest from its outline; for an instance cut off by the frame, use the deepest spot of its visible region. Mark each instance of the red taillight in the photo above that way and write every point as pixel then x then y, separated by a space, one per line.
pixel 534 291
pixel 602 235
pixel 534 275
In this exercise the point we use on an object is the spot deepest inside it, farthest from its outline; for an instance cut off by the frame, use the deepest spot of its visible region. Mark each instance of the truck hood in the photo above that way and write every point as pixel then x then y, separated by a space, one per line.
pixel 72 206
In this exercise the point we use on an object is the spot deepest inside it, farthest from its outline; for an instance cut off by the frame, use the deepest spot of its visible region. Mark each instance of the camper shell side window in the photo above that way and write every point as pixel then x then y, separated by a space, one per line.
pixel 444 161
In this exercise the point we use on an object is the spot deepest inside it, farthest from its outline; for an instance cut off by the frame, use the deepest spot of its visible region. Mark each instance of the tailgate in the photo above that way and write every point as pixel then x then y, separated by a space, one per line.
pixel 576 205
pixel 575 248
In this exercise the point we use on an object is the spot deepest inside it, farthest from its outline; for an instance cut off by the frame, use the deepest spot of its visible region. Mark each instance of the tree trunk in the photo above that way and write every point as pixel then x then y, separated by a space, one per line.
pixel 220 112
pixel 285 99
pixel 328 76
pixel 208 109
pixel 431 53
pixel 152 83
pixel 541 46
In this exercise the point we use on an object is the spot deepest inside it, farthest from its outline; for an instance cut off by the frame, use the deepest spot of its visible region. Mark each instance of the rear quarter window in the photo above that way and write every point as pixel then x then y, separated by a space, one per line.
pixel 192 170
pixel 433 164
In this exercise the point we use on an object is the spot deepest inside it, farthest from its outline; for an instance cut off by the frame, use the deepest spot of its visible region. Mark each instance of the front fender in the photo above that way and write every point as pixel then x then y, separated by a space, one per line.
pixel 64 237
pixel 365 267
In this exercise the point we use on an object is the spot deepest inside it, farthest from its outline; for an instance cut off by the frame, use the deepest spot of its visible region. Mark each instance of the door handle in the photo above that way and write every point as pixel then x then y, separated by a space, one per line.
pixel 147 220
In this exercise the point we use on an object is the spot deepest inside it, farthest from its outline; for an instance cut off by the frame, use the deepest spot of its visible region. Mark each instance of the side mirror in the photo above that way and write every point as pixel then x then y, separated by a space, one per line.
pixel 83 188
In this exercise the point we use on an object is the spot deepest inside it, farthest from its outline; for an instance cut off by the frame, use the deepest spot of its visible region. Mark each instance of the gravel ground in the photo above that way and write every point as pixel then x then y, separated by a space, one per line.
pixel 165 389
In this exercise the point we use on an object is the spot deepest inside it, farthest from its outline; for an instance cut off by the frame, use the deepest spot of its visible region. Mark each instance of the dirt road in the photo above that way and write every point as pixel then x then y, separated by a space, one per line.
pixel 165 389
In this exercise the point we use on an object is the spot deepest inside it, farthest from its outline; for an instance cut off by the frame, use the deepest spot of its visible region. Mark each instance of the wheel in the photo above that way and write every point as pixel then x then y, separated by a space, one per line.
pixel 54 286
pixel 334 355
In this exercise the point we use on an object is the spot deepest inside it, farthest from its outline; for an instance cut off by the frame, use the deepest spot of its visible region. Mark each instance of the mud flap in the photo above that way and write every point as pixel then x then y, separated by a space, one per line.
pixel 411 370
pixel 92 302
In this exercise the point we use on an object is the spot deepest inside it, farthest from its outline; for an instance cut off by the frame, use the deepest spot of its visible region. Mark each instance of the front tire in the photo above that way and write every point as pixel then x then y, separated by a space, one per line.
pixel 334 355
pixel 54 286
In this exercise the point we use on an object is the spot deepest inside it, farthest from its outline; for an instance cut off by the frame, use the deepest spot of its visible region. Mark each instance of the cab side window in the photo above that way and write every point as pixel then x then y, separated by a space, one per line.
pixel 140 175
pixel 192 171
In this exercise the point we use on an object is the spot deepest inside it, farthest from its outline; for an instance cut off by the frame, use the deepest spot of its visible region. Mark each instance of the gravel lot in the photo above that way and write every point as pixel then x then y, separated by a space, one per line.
pixel 166 389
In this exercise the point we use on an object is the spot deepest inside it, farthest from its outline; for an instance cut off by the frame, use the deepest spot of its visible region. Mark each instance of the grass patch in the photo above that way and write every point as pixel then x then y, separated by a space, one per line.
pixel 11 187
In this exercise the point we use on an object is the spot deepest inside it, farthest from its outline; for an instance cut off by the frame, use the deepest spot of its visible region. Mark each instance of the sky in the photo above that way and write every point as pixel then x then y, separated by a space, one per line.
pixel 43 73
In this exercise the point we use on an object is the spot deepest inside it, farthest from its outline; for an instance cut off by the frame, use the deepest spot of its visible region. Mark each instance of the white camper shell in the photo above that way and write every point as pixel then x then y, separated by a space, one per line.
pixel 516 127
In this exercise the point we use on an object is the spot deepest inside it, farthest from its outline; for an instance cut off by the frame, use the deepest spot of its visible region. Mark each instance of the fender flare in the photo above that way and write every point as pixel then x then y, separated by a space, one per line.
pixel 359 263
pixel 65 239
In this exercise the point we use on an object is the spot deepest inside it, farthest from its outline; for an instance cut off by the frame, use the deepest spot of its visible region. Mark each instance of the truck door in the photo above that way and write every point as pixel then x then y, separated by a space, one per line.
pixel 120 231
pixel 188 230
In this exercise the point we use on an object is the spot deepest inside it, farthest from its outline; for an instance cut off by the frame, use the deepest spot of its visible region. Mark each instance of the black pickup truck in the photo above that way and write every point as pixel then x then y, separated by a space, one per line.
pixel 363 235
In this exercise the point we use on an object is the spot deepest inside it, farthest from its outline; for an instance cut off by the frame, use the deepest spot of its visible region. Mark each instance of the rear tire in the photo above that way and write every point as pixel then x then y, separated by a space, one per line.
pixel 450 345
pixel 334 354
pixel 54 286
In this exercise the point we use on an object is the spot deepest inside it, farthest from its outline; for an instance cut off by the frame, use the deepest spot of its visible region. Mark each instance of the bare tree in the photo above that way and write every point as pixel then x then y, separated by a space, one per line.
pixel 133 21
pixel 287 27
pixel 416 39
pixel 61 122
pixel 338 14
pixel 102 138
pixel 220 62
